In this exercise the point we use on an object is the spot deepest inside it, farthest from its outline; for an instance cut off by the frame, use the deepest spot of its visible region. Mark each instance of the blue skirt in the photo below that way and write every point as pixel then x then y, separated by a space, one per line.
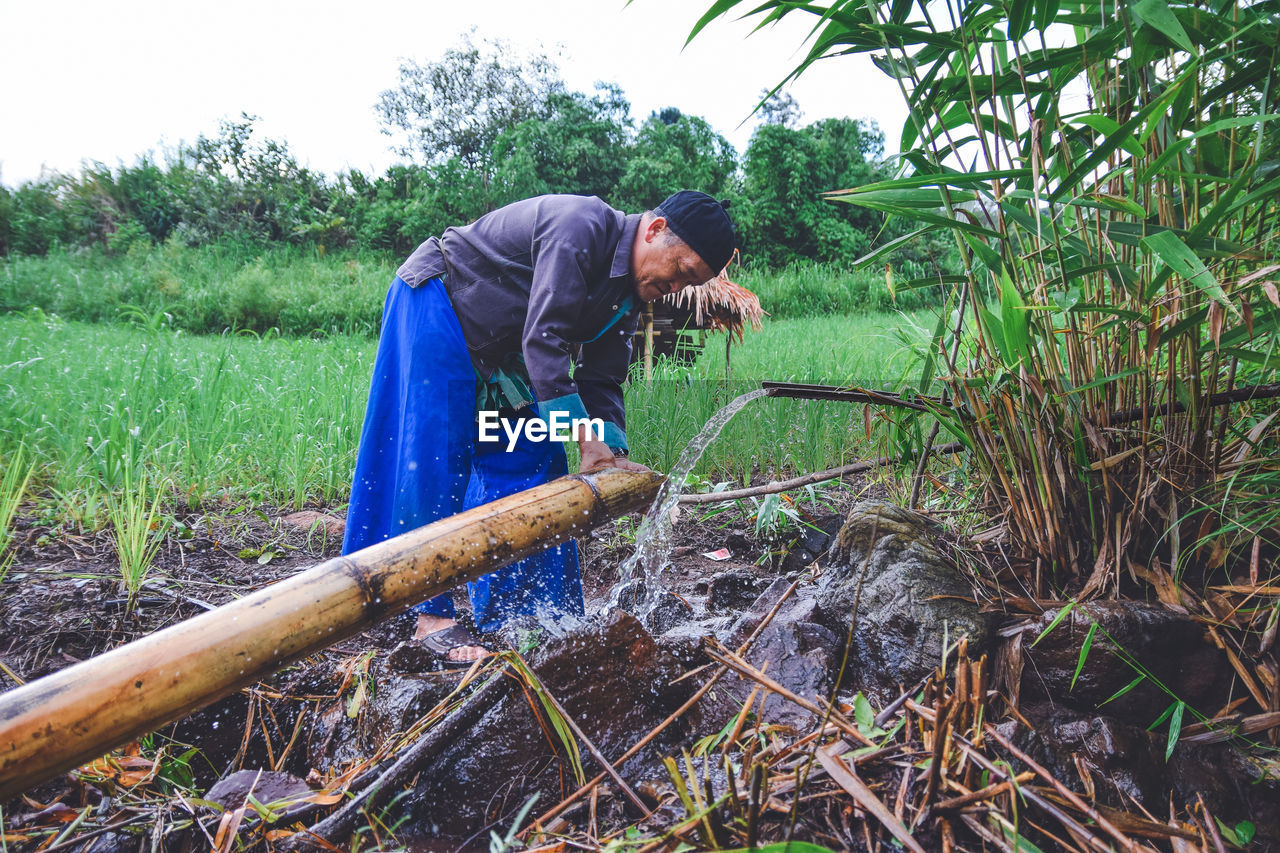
pixel 419 460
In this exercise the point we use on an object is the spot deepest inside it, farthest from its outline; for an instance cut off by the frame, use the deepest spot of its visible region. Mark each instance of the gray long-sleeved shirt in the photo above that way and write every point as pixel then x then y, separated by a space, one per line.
pixel 544 277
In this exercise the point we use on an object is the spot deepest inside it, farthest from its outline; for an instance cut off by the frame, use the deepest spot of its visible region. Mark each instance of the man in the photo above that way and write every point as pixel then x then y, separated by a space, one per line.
pixel 489 318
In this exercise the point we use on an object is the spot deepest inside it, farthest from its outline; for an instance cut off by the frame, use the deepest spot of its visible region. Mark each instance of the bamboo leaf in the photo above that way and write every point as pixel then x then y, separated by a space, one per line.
pixel 1175 728
pixel 1021 13
pixel 1126 689
pixel 1110 129
pixel 892 246
pixel 1106 201
pixel 1084 653
pixel 1014 319
pixel 1158 15
pixel 1046 12
pixel 1062 614
pixel 1178 257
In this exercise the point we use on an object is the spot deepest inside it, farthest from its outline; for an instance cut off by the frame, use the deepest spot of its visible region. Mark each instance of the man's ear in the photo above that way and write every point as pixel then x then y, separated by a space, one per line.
pixel 656 226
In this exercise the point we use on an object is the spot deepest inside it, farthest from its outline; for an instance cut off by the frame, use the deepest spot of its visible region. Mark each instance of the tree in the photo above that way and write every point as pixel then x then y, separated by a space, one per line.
pixel 673 151
pixel 785 173
pixel 459 105
pixel 579 146
pixel 779 108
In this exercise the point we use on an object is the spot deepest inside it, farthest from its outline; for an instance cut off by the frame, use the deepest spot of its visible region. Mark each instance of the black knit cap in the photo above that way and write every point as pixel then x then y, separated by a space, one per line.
pixel 703 223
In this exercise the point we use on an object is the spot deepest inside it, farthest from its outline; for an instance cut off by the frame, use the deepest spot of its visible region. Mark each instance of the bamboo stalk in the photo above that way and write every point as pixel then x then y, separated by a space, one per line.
pixel 62 720
pixel 648 344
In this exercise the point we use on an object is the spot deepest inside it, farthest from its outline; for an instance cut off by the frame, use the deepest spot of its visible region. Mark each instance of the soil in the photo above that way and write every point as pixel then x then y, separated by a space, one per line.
pixel 63 602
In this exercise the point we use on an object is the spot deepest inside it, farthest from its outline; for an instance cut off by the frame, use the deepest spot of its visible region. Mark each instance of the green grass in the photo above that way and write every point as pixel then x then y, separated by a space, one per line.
pixel 256 419
pixel 207 290
pixel 299 291
pixel 244 418
pixel 815 290
pixel 14 478
pixel 137 531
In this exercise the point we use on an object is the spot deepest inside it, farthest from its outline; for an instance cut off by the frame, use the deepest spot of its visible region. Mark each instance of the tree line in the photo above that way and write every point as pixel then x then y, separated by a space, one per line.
pixel 477 128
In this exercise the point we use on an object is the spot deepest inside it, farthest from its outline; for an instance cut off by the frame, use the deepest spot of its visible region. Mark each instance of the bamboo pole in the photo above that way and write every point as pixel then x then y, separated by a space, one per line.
pixel 60 721
pixel 648 344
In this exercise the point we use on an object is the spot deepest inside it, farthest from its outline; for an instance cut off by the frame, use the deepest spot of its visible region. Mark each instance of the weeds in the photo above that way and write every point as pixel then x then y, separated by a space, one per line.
pixel 138 529
pixel 13 488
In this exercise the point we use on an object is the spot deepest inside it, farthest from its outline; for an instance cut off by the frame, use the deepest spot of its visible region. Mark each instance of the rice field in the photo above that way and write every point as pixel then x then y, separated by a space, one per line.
pixel 263 419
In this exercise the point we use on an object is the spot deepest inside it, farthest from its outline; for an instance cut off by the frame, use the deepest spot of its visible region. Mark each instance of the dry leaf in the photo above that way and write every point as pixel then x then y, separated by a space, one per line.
pixel 1217 317
pixel 1257 274
pixel 1269 288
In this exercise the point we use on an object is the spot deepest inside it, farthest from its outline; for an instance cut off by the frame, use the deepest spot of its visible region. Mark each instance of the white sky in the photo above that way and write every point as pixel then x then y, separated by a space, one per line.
pixel 91 80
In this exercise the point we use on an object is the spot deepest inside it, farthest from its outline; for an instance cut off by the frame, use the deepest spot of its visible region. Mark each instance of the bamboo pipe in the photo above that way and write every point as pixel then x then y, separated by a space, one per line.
pixel 58 722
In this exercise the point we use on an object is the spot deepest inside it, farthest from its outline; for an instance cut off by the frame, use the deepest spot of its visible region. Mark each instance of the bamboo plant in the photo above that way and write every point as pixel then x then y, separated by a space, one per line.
pixel 1108 171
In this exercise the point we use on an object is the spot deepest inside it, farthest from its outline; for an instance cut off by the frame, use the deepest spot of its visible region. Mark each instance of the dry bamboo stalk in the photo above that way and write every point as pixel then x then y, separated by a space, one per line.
pixel 720 654
pixel 58 722
pixel 863 796
pixel 986 793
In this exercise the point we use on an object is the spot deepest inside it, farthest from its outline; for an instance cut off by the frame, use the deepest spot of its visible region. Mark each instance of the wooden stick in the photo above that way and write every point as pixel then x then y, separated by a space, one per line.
pixel 808 479
pixel 58 722
pixel 986 793
pixel 864 797
pixel 1071 796
pixel 746 670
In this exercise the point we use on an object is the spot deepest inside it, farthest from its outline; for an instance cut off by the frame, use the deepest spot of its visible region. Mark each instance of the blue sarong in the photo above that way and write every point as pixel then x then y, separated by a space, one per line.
pixel 419 460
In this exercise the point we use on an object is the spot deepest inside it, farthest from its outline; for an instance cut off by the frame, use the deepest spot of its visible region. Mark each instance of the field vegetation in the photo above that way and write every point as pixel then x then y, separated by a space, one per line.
pixel 299 292
pixel 269 419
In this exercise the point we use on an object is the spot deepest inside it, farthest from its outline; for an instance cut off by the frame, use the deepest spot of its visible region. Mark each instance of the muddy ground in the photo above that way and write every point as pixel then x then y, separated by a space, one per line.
pixel 63 602
pixel 316 721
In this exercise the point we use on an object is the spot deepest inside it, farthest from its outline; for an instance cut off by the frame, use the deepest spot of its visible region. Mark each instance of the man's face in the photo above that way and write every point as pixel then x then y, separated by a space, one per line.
pixel 662 263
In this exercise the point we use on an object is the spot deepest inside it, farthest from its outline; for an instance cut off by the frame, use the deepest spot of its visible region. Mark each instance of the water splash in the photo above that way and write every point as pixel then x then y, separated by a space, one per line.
pixel 637 588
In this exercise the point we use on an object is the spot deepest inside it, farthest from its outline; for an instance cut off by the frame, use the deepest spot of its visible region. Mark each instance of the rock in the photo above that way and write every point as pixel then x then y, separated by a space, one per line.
pixel 667 612
pixel 684 643
pixel 754 615
pixel 1123 760
pixel 308 520
pixel 801 656
pixel 738 542
pixel 266 786
pixel 810 545
pixel 908 595
pixel 733 589
pixel 1126 763
pixel 397 701
pixel 1170 646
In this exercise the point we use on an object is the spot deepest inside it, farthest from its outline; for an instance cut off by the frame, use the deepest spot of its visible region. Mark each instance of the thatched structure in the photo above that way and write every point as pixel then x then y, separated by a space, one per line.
pixel 677 324
pixel 720 304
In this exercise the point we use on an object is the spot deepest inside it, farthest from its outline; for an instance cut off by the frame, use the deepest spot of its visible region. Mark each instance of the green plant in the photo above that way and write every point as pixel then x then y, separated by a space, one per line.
pixel 13 488
pixel 138 529
pixel 1114 249
pixel 503 843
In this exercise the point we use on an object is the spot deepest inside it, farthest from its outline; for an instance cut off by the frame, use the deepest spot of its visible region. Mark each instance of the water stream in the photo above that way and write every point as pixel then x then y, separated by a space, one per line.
pixel 637 588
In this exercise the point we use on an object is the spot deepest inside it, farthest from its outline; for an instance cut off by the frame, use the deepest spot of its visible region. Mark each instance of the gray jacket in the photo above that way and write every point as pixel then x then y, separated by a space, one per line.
pixel 544 277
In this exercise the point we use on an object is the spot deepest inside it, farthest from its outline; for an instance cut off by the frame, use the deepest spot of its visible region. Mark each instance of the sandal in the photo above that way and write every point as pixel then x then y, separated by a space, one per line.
pixel 432 651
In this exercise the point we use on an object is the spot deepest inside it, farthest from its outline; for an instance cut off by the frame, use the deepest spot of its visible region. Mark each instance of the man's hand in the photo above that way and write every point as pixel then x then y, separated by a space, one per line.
pixel 596 454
